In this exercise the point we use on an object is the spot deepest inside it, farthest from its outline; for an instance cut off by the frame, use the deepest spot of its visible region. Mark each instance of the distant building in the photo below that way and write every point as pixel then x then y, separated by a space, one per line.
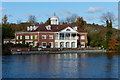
pixel 52 36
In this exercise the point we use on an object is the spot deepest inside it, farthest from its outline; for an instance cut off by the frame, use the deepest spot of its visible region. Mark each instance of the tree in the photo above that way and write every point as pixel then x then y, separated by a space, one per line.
pixel 4 19
pixel 48 21
pixel 108 37
pixel 108 18
pixel 80 22
pixel 118 44
pixel 7 32
pixel 71 19
pixel 112 43
pixel 32 19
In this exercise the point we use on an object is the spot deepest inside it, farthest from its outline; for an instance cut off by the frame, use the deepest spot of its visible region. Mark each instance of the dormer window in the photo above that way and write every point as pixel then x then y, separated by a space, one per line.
pixel 30 28
pixel 48 27
pixel 67 29
pixel 75 28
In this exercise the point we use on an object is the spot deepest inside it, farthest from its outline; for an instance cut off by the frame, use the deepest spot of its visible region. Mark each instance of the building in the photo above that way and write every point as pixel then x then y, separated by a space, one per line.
pixel 52 36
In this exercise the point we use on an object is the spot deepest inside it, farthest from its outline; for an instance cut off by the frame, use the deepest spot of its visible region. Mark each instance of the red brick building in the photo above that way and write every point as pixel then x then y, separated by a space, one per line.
pixel 52 36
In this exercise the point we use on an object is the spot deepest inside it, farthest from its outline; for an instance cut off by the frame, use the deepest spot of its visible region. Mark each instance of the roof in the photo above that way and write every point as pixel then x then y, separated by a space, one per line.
pixel 54 28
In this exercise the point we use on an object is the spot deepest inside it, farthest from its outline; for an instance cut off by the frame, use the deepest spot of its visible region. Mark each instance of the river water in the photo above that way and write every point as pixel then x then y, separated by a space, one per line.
pixel 74 65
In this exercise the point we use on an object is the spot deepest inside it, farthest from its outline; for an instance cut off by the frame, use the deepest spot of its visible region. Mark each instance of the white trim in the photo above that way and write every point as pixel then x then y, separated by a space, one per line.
pixel 71 30
pixel 48 32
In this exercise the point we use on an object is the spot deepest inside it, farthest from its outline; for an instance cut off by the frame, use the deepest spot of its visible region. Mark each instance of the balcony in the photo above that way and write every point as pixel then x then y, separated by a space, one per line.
pixel 66 38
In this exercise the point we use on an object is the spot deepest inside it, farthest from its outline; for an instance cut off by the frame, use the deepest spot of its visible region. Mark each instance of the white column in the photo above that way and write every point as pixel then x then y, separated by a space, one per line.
pixel 70 44
pixel 76 35
pixel 76 44
pixel 65 44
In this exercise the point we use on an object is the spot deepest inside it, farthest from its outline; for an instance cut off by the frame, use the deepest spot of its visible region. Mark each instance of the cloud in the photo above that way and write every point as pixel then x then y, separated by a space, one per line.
pixel 1 9
pixel 94 9
pixel 68 12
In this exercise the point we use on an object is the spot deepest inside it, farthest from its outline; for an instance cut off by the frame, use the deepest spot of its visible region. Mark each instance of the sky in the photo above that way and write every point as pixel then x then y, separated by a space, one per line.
pixel 90 11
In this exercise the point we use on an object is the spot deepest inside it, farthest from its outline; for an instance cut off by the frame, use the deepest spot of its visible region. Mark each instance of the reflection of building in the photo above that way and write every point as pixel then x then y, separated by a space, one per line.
pixel 53 35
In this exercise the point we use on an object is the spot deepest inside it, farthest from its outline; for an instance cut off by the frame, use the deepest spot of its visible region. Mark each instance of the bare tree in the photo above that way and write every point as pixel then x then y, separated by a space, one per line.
pixel 71 19
pixel 108 17
pixel 32 19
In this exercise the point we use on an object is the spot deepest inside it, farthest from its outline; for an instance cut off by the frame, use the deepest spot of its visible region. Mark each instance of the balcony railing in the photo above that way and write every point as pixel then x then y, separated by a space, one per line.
pixel 66 38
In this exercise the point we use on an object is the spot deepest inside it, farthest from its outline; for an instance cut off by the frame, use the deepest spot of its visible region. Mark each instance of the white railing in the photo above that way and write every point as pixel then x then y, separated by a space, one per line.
pixel 66 38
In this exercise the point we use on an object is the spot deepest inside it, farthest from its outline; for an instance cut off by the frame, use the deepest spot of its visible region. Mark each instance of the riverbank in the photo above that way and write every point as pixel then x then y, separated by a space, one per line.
pixel 56 52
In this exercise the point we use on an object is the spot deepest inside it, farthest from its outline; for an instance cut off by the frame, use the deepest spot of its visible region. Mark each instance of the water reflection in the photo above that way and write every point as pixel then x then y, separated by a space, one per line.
pixel 82 65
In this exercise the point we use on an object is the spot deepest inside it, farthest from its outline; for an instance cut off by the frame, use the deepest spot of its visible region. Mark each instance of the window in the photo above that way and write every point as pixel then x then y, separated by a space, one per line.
pixel 48 27
pixel 73 44
pixel 67 29
pixel 26 37
pixel 82 37
pixel 31 36
pixel 17 37
pixel 75 28
pixel 61 44
pixel 20 37
pixel 51 44
pixel 44 44
pixel 36 37
pixel 56 44
pixel 82 44
pixel 50 36
pixel 43 36
pixel 67 44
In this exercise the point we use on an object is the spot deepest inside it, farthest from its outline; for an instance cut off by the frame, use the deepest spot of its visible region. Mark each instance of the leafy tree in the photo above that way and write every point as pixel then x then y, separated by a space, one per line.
pixel 80 22
pixel 108 37
pixel 48 21
pixel 118 44
pixel 112 43
pixel 4 19
pixel 7 31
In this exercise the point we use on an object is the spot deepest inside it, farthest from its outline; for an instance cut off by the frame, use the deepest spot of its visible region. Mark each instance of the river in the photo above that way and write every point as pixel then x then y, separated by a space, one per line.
pixel 72 65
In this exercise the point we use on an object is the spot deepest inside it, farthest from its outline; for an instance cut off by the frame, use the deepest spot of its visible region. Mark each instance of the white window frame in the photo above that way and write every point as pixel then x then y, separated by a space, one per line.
pixel 82 37
pixel 44 36
pixel 50 36
pixel 36 36
pixel 31 37
pixel 26 37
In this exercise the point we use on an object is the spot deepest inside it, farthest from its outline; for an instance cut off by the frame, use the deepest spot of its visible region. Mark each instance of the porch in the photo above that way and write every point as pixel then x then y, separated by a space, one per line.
pixel 66 36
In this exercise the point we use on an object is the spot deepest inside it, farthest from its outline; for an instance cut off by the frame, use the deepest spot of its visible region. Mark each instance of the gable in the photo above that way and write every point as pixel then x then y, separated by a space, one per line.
pixel 68 29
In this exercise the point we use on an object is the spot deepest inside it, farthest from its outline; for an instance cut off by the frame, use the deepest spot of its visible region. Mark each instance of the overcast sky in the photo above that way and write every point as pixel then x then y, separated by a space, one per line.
pixel 90 11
